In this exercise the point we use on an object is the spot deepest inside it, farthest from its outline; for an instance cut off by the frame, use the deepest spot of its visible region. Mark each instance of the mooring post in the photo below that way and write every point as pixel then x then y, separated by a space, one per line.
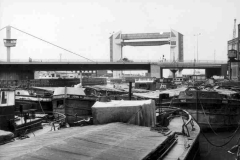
pixel 159 101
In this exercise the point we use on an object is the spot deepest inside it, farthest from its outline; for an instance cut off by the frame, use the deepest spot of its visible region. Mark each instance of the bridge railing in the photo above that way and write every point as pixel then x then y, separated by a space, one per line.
pixel 107 60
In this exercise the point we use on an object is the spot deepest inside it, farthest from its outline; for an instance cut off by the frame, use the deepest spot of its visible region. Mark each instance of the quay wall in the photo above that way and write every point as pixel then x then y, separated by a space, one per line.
pixel 16 75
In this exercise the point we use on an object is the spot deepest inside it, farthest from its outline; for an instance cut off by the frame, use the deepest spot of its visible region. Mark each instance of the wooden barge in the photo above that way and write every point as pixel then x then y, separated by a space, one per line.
pixel 18 122
pixel 73 103
pixel 209 108
pixel 109 141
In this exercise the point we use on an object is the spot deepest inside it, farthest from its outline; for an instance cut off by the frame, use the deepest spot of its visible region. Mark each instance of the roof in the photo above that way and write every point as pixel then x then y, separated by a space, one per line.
pixel 45 88
pixel 155 94
pixel 104 88
pixel 69 91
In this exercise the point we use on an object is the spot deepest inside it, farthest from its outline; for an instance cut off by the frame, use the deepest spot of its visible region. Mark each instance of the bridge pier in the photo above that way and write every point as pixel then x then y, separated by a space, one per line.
pixel 173 72
pixel 155 71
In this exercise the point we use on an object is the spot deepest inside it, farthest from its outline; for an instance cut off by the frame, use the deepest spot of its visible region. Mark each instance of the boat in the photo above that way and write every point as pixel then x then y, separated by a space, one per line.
pixel 146 83
pixel 99 90
pixel 24 120
pixel 136 136
pixel 115 92
pixel 73 103
pixel 17 122
pixel 34 97
pixel 7 104
pixel 154 95
pixel 166 83
pixel 216 109
pixel 212 109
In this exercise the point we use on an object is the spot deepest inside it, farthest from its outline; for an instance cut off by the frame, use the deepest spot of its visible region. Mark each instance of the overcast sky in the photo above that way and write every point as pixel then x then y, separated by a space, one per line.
pixel 84 26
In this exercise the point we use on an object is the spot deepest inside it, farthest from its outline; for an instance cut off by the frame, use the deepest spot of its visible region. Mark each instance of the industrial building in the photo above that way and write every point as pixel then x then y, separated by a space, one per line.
pixel 234 44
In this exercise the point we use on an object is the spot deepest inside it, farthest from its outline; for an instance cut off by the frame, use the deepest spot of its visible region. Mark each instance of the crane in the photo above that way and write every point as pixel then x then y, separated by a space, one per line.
pixel 232 54
pixel 234 28
pixel 234 32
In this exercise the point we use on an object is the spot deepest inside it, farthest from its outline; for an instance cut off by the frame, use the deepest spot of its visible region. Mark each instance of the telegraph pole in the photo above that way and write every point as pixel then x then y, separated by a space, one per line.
pixel 197 43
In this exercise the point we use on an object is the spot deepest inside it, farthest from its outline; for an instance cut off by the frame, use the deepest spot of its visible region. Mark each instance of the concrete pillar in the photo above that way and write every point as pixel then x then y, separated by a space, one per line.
pixel 8 35
pixel 115 47
pixel 176 46
pixel 155 71
pixel 161 73
pixel 173 72
pixel 116 51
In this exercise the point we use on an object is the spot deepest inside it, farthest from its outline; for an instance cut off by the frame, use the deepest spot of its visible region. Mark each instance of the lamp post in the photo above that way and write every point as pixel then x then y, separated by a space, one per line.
pixel 60 57
pixel 197 43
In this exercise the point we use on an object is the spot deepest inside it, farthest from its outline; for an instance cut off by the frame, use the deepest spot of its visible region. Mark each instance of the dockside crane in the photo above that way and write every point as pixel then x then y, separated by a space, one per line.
pixel 234 29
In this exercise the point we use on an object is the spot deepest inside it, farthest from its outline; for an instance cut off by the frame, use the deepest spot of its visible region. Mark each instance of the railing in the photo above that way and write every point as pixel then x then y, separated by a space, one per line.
pixel 189 119
pixel 185 124
pixel 107 60
pixel 58 119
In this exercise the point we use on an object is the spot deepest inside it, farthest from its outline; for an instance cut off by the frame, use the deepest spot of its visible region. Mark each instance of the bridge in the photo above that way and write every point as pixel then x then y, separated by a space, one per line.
pixel 172 38
pixel 24 69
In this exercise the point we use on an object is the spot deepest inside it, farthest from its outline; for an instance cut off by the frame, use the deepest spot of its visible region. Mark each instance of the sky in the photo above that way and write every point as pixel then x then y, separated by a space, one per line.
pixel 84 27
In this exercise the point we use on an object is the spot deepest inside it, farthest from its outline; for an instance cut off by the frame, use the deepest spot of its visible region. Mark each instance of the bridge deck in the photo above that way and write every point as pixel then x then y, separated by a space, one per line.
pixel 50 66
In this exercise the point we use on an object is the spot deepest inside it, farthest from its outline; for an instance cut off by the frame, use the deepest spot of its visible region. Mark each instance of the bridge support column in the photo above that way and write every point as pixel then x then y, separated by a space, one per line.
pixel 209 72
pixel 8 33
pixel 155 71
pixel 173 72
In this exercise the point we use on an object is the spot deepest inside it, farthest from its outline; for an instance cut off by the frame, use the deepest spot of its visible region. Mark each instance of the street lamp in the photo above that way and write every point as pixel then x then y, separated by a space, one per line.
pixel 197 43
pixel 60 57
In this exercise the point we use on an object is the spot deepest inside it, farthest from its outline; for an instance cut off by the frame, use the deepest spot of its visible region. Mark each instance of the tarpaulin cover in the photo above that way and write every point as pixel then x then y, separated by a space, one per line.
pixel 140 113
pixel 155 94
pixel 69 91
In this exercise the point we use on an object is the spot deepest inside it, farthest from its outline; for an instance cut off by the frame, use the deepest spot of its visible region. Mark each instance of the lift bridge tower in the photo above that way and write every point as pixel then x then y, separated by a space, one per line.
pixel 172 38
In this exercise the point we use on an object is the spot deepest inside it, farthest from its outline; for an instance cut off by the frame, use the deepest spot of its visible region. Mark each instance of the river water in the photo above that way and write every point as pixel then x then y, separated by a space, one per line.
pixel 210 152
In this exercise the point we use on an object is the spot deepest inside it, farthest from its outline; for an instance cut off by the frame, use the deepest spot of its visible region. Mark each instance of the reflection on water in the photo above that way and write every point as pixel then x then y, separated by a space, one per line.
pixel 209 152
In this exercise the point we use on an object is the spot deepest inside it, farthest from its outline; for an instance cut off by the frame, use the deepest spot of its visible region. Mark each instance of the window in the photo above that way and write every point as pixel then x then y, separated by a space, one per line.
pixel 4 98
pixel 60 104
